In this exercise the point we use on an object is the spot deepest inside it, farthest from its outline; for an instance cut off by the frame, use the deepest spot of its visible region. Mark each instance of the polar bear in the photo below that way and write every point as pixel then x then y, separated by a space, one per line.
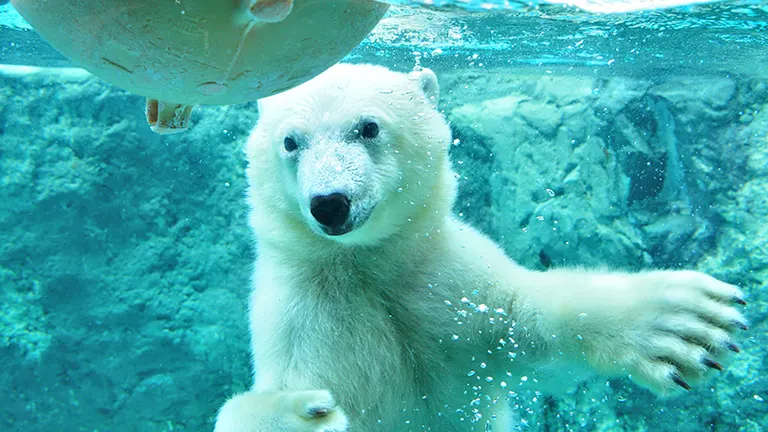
pixel 374 308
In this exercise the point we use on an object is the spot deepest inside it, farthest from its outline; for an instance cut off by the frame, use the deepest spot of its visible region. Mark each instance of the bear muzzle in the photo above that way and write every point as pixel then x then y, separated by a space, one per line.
pixel 331 212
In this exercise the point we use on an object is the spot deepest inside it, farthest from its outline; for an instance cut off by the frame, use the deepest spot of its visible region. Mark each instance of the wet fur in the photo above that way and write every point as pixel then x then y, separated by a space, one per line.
pixel 377 318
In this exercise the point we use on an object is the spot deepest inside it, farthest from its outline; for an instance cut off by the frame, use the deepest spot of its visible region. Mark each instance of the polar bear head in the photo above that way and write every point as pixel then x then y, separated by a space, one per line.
pixel 353 156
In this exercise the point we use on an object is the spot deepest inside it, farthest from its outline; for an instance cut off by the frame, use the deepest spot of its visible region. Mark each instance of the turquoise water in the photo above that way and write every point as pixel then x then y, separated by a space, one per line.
pixel 635 139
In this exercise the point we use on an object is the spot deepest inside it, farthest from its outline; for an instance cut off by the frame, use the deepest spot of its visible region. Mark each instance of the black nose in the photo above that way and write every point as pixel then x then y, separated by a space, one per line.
pixel 330 210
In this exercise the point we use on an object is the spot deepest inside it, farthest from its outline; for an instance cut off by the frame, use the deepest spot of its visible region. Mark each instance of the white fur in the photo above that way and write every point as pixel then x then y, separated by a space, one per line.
pixel 392 317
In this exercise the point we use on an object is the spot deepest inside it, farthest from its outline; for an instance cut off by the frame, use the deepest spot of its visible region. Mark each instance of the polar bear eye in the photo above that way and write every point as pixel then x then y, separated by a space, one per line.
pixel 290 144
pixel 370 130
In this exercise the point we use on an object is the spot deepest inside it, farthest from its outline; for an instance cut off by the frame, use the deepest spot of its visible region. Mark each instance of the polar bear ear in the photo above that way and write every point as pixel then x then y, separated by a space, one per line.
pixel 265 105
pixel 260 105
pixel 428 84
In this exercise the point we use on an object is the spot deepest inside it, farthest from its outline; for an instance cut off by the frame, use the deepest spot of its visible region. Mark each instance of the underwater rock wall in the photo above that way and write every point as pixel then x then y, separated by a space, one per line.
pixel 124 262
pixel 586 168
pixel 126 257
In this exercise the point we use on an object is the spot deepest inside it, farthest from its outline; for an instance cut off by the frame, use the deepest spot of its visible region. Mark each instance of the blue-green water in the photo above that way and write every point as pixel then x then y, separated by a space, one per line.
pixel 635 140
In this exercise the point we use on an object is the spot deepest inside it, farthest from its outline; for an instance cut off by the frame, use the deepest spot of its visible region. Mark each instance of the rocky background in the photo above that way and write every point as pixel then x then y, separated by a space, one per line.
pixel 125 256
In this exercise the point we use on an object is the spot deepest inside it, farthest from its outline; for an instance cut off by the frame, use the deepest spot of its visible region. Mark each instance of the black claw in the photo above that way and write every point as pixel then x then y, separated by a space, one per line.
pixel 739 301
pixel 733 347
pixel 741 325
pixel 712 364
pixel 318 412
pixel 679 381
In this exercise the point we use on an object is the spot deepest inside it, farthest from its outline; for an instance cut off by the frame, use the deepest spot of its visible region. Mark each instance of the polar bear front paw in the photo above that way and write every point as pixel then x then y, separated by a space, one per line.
pixel 674 327
pixel 303 411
